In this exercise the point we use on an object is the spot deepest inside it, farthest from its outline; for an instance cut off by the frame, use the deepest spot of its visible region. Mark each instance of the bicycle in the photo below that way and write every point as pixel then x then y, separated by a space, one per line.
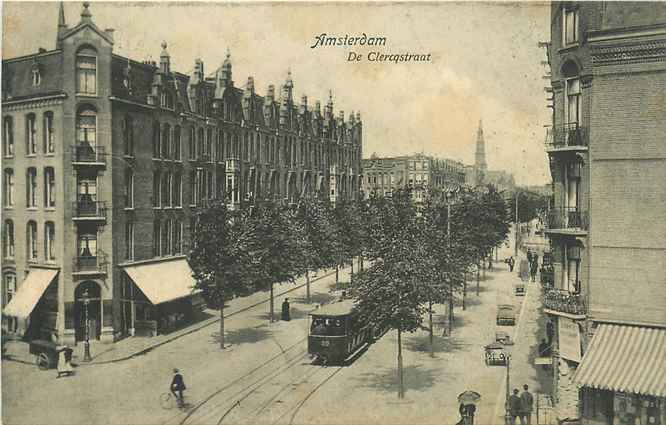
pixel 168 400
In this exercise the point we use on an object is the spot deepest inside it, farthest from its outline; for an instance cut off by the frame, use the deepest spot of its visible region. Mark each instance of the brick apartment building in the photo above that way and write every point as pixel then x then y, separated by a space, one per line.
pixel 105 161
pixel 418 171
pixel 608 226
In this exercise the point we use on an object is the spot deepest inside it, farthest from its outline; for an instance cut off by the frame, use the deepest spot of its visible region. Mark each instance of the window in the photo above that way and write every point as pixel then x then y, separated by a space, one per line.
pixel 129 188
pixel 193 188
pixel 570 26
pixel 176 143
pixel 10 287
pixel 219 148
pixel 156 238
pixel 8 187
pixel 228 147
pixel 86 71
pixel 8 239
pixel 86 128
pixel 128 135
pixel 49 241
pixel 49 133
pixel 36 76
pixel 8 139
pixel 31 187
pixel 573 104
pixel 209 143
pixel 49 187
pixel 31 134
pixel 156 189
pixel 192 145
pixel 129 240
pixel 31 234
pixel 177 190
pixel 87 249
pixel 166 190
pixel 166 237
pixel 200 143
pixel 177 245
pixel 166 141
pixel 156 140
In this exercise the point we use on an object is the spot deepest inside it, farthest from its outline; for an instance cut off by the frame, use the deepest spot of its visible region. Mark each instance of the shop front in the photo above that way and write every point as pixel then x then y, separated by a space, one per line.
pixel 159 297
pixel 623 376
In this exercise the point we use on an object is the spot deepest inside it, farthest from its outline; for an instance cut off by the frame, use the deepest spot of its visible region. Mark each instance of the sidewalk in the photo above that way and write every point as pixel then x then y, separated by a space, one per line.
pixel 133 346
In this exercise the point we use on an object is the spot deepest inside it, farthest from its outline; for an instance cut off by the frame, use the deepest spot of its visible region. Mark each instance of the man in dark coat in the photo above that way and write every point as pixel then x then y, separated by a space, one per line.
pixel 515 406
pixel 511 262
pixel 526 403
pixel 178 385
pixel 285 310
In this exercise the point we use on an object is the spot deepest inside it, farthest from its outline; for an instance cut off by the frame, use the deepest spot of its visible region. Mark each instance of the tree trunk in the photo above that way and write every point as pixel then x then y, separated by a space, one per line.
pixel 464 292
pixel 337 282
pixel 401 387
pixel 361 265
pixel 222 325
pixel 478 278
pixel 307 286
pixel 272 305
pixel 432 348
pixel 352 268
pixel 451 314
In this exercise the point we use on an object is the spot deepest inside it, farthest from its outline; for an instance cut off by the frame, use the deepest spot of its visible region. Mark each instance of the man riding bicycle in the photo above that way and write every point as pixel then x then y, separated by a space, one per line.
pixel 177 384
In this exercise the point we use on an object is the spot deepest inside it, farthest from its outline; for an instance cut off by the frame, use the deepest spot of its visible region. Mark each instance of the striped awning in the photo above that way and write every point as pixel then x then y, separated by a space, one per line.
pixel 629 359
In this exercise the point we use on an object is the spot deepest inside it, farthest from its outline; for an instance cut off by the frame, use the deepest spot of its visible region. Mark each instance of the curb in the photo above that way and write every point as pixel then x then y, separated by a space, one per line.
pixel 200 326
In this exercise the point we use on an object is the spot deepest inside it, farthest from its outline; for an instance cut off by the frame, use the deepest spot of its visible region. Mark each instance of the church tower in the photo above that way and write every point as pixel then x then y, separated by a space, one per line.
pixel 480 158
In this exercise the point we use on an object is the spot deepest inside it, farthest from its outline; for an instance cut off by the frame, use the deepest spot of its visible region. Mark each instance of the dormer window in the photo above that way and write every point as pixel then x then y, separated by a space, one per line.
pixel 570 26
pixel 36 76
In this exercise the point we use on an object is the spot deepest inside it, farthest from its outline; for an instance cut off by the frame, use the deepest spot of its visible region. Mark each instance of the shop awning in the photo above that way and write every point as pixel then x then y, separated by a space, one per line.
pixel 163 281
pixel 29 293
pixel 628 359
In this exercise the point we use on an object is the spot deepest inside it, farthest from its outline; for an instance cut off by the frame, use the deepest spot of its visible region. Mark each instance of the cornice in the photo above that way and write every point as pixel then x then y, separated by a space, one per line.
pixel 35 102
pixel 640 52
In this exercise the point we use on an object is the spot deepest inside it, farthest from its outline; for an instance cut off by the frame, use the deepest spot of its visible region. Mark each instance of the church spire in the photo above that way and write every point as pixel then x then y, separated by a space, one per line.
pixel 480 158
pixel 62 26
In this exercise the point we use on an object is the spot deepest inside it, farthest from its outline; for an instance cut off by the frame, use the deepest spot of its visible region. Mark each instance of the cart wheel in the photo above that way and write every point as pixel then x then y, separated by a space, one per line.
pixel 42 361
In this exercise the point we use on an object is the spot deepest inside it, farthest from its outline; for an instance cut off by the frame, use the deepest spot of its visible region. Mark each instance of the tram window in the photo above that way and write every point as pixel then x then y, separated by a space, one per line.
pixel 328 326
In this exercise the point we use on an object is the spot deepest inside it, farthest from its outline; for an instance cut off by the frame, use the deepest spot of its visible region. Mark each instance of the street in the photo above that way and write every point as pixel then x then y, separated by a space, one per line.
pixel 266 377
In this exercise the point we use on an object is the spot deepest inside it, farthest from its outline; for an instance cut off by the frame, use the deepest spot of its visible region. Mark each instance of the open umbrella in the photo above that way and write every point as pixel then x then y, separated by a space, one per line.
pixel 469 397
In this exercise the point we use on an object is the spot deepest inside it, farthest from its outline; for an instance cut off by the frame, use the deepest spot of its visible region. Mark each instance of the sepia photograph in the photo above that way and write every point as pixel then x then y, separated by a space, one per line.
pixel 333 213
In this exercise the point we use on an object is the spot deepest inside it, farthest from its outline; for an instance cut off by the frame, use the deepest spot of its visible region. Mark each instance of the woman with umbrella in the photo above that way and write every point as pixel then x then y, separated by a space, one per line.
pixel 468 400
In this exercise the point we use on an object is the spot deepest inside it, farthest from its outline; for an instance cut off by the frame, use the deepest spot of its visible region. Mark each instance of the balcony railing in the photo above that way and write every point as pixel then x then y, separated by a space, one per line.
pixel 563 301
pixel 90 263
pixel 567 135
pixel 567 218
pixel 86 208
pixel 87 154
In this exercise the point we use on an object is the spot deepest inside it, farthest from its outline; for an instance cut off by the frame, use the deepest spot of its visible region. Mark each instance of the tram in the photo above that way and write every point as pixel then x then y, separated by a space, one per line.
pixel 337 332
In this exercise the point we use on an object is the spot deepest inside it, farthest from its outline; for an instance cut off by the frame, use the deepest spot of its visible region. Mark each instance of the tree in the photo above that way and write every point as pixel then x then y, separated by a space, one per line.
pixel 388 292
pixel 222 255
pixel 278 245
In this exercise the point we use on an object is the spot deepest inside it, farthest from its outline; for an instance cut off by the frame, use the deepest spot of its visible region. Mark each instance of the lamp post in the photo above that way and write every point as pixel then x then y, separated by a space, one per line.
pixel 450 193
pixel 507 408
pixel 515 242
pixel 86 354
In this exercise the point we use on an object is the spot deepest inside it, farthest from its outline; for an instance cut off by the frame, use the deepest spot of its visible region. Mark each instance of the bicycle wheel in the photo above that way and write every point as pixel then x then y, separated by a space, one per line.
pixel 42 361
pixel 167 401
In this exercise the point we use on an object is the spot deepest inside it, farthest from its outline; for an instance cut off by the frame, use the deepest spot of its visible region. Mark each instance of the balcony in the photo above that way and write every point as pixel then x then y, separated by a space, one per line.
pixel 86 209
pixel 567 220
pixel 562 301
pixel 567 137
pixel 88 155
pixel 90 264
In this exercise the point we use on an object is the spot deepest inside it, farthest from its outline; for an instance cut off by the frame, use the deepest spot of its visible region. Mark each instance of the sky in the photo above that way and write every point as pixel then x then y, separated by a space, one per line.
pixel 485 64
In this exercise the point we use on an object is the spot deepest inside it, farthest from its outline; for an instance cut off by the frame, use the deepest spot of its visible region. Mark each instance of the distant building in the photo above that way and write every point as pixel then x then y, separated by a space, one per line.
pixel 418 171
pixel 478 174
pixel 106 161
pixel 608 226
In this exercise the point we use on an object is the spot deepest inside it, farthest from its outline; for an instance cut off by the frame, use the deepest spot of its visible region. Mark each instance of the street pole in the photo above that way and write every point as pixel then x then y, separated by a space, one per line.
pixel 507 410
pixel 401 389
pixel 86 353
pixel 272 306
pixel 515 242
pixel 432 349
pixel 307 286
pixel 448 235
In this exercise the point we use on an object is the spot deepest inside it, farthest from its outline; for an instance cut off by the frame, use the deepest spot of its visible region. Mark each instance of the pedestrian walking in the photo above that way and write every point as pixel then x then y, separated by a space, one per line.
pixel 526 403
pixel 463 413
pixel 514 406
pixel 529 256
pixel 64 361
pixel 471 410
pixel 285 310
pixel 177 387
pixel 534 269
pixel 511 262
